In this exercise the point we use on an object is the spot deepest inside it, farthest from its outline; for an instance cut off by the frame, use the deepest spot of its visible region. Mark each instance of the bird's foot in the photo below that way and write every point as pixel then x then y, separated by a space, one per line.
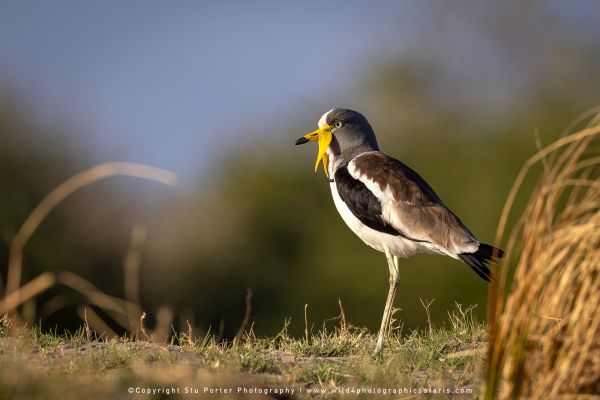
pixel 378 352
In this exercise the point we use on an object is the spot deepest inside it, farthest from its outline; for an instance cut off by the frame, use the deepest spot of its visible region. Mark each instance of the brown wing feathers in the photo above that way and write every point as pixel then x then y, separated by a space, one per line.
pixel 414 204
pixel 420 211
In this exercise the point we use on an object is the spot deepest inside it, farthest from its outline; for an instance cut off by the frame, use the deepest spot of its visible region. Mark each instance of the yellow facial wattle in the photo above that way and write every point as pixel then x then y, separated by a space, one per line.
pixel 323 137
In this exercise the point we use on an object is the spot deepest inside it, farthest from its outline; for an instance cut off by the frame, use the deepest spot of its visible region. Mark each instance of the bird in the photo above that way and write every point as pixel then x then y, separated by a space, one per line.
pixel 388 205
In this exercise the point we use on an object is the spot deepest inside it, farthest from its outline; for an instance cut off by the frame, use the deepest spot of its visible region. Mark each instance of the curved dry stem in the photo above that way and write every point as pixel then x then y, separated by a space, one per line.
pixel 64 190
pixel 530 163
pixel 29 290
pixel 121 311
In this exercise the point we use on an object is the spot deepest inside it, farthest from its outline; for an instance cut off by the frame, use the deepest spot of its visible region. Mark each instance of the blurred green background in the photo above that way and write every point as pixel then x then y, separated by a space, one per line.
pixel 218 93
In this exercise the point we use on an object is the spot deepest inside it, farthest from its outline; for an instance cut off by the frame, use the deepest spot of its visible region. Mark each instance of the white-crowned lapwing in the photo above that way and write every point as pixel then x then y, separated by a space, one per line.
pixel 387 204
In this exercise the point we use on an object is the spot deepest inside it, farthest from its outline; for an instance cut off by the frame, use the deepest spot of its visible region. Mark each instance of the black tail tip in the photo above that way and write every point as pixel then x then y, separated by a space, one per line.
pixel 490 252
pixel 481 259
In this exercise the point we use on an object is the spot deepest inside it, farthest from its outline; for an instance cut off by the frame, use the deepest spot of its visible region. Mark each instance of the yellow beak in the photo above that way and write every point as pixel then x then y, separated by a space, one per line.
pixel 323 137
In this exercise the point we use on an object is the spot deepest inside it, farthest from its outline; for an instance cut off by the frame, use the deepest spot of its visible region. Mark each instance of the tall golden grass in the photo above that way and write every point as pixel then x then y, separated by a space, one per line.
pixel 545 325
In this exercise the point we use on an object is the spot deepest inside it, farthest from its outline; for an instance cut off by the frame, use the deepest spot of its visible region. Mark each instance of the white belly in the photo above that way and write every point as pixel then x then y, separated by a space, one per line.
pixel 397 245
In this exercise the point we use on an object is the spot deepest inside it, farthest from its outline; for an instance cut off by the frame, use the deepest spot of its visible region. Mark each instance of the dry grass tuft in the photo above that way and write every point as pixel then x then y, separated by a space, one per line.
pixel 546 339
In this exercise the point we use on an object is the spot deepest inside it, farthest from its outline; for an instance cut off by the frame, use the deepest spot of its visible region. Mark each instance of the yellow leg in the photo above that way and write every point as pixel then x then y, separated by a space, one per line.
pixel 389 304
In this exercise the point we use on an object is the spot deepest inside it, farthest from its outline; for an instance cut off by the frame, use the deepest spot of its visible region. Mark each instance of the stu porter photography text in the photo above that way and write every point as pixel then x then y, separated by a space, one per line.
pixel 217 390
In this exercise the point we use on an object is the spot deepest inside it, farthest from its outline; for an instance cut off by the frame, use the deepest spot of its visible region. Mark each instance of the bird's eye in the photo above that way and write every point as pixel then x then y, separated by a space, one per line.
pixel 337 125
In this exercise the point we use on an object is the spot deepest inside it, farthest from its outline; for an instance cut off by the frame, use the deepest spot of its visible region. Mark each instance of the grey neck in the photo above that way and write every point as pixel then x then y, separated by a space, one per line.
pixel 341 158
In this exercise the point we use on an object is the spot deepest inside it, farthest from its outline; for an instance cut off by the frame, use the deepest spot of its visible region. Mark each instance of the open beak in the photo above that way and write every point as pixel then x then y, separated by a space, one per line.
pixel 323 137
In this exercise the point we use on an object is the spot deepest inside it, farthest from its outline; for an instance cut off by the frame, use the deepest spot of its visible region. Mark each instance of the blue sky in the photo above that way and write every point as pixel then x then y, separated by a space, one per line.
pixel 163 83
pixel 173 83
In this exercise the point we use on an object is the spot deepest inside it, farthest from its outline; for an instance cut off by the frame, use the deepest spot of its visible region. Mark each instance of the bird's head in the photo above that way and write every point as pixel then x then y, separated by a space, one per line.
pixel 345 131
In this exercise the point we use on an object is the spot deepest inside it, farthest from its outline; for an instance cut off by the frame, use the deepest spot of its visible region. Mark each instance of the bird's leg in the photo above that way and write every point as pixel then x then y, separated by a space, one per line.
pixel 389 304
